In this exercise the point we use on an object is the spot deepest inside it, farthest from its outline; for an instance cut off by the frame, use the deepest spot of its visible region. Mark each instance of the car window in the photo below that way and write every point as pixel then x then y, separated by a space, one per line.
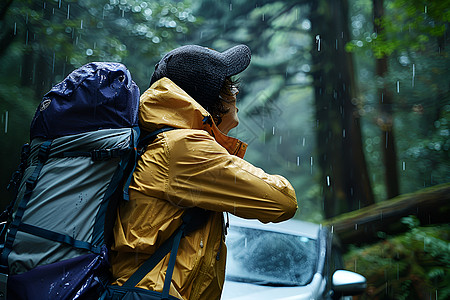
pixel 271 258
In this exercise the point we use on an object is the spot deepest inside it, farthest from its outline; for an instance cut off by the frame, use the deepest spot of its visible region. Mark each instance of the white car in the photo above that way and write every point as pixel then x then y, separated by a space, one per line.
pixel 288 260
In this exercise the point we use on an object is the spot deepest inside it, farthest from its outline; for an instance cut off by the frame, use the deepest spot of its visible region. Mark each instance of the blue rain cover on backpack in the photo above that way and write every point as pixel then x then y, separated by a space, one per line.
pixel 83 140
pixel 95 96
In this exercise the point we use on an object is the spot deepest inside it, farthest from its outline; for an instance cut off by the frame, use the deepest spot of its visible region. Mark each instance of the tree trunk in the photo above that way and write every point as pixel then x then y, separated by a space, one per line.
pixel 344 178
pixel 385 120
pixel 431 206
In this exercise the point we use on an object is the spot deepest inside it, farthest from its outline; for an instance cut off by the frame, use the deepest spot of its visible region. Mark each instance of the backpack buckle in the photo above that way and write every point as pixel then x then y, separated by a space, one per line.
pixel 104 154
pixel 44 151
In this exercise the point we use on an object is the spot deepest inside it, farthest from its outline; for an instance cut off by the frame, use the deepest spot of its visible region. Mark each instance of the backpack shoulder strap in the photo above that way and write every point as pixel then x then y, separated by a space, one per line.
pixel 147 138
pixel 193 218
pixel 144 140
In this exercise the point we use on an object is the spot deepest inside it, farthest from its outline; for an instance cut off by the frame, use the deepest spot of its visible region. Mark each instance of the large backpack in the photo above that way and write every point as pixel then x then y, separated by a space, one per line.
pixel 82 151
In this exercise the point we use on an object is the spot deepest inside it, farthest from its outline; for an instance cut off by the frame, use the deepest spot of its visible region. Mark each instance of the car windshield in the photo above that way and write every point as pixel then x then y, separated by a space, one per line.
pixel 269 258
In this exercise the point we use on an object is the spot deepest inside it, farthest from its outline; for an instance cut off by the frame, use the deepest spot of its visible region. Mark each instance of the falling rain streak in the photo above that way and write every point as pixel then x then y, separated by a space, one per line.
pixel 413 74
pixel 6 121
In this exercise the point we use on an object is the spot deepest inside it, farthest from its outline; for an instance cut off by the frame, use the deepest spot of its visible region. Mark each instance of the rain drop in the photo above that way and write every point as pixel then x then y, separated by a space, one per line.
pixel 81 24
pixel 403 166
pixel 15 28
pixel 298 160
pixel 318 42
pixel 413 74
pixel 6 121
pixel 398 87
pixel 68 11
pixel 328 180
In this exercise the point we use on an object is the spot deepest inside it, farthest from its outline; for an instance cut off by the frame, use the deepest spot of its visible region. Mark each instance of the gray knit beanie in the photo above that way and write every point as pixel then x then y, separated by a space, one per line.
pixel 201 71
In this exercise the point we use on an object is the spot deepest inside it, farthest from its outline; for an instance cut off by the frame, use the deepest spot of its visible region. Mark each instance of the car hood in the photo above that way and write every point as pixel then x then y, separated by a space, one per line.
pixel 247 291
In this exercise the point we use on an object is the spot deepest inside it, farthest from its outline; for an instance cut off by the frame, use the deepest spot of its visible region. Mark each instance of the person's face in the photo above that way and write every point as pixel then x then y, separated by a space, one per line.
pixel 229 119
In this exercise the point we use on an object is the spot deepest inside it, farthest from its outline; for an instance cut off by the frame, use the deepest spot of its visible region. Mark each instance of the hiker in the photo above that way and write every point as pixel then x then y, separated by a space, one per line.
pixel 194 165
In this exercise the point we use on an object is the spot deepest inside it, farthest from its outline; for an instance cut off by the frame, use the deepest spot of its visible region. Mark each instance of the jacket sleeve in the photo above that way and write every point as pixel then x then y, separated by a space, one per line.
pixel 202 173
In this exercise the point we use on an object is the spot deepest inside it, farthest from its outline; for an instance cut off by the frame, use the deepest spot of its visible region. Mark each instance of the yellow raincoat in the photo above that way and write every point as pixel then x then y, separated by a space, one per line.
pixel 195 165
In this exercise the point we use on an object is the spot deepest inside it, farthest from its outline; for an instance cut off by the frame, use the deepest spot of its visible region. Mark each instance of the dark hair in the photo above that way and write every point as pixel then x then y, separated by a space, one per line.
pixel 217 108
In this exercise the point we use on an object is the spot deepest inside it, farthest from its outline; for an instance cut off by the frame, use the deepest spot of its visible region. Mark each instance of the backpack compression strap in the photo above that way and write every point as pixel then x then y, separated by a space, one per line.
pixel 43 154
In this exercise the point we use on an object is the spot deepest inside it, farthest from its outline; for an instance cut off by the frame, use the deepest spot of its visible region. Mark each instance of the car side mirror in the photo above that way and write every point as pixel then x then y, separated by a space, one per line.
pixel 347 283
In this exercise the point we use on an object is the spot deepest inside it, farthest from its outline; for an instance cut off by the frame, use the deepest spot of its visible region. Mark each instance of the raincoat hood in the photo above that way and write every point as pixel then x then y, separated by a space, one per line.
pixel 166 104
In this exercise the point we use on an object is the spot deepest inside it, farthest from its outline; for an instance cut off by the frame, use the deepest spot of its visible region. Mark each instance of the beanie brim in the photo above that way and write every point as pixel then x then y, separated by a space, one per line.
pixel 237 58
pixel 201 71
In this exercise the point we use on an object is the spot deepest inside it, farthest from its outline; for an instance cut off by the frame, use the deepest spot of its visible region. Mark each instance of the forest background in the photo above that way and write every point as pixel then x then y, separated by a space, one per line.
pixel 348 99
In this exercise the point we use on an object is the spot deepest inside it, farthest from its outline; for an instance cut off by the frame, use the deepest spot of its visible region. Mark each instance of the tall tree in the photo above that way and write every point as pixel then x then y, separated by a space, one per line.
pixel 386 119
pixel 344 177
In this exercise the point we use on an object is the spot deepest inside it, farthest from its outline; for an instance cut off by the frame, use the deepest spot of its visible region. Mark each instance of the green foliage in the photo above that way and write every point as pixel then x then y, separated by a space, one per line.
pixel 76 32
pixel 413 265
pixel 406 25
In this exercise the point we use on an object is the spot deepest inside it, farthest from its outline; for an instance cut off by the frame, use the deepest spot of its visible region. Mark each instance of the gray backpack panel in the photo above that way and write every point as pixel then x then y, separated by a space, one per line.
pixel 68 196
